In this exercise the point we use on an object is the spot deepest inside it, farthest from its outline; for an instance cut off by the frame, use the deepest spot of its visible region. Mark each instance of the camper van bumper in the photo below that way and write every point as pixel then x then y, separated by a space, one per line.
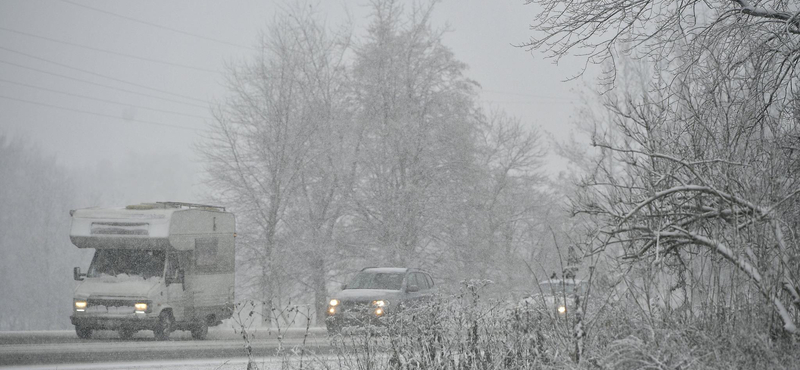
pixel 113 323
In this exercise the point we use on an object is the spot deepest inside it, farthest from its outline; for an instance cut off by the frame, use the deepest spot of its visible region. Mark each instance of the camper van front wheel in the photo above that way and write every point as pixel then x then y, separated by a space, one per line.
pixel 126 333
pixel 200 329
pixel 164 326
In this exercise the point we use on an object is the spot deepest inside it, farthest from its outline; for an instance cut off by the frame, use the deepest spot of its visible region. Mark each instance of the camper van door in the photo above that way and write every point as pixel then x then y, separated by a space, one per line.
pixel 200 283
pixel 210 280
pixel 175 287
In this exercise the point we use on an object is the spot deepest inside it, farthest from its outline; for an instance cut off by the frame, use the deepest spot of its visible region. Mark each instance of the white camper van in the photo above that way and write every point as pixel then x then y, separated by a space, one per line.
pixel 157 266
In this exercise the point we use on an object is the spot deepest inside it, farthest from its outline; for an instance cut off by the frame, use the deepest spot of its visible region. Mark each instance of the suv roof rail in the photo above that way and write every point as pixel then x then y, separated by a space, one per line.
pixel 378 267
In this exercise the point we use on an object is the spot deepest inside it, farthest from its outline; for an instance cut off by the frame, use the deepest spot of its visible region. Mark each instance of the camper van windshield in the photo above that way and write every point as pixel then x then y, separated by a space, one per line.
pixel 132 262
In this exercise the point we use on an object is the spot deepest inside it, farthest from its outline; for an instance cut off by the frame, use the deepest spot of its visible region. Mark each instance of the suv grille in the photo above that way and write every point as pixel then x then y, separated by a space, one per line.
pixel 356 306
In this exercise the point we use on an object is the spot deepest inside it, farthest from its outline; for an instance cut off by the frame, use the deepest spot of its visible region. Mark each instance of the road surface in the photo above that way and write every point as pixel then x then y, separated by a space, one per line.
pixel 64 347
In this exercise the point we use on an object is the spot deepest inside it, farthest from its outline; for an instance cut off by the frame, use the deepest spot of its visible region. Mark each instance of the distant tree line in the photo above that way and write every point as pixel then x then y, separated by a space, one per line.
pixel 35 197
pixel 37 191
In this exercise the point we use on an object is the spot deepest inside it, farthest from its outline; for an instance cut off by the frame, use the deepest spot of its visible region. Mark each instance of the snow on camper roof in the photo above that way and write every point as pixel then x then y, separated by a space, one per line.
pixel 145 225
pixel 164 205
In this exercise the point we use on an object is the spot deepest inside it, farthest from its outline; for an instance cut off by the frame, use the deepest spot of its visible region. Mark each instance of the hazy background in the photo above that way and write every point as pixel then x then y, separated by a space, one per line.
pixel 102 102
pixel 55 55
pixel 683 214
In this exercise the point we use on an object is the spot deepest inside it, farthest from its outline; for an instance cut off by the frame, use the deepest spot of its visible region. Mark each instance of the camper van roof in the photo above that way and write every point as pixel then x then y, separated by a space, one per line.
pixel 165 205
pixel 149 225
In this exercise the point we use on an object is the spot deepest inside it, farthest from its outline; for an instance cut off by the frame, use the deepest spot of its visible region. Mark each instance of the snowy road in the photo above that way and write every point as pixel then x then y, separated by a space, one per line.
pixel 63 347
pixel 270 363
pixel 206 364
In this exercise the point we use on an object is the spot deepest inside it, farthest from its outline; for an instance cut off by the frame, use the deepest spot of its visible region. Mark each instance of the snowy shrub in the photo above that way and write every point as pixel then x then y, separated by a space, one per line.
pixel 463 332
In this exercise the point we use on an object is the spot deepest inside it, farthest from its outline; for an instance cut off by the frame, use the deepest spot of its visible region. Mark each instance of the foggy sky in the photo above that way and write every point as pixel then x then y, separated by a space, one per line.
pixel 63 63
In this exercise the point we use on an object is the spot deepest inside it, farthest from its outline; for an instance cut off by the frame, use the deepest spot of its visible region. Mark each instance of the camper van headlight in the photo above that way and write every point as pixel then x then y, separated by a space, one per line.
pixel 80 306
pixel 140 307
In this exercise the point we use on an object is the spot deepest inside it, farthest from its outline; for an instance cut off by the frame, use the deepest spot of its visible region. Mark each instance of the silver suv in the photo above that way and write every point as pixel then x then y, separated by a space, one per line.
pixel 558 296
pixel 376 292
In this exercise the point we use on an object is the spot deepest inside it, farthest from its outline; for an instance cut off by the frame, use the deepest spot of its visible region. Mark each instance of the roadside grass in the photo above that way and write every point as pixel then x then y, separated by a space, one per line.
pixel 463 332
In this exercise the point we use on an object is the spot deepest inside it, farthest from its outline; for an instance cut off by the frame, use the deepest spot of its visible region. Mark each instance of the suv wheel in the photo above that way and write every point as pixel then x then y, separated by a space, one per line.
pixel 83 332
pixel 333 328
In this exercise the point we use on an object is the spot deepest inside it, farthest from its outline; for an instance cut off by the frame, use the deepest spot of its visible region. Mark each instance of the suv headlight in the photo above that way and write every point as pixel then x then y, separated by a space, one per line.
pixel 80 306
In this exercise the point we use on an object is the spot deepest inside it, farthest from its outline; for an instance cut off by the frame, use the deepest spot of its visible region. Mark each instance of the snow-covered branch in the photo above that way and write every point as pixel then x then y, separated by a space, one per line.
pixel 691 188
pixel 791 19
pixel 743 265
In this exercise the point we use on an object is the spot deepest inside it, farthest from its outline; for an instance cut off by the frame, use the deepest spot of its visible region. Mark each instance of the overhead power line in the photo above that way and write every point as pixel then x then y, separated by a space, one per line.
pixel 100 75
pixel 159 26
pixel 102 100
pixel 526 102
pixel 101 114
pixel 530 95
pixel 101 85
pixel 109 51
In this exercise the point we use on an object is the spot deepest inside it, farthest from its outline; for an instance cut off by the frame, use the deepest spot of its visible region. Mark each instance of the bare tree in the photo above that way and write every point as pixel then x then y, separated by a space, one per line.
pixel 418 109
pixel 498 222
pixel 697 158
pixel 326 180
pixel 690 171
pixel 335 156
pixel 266 136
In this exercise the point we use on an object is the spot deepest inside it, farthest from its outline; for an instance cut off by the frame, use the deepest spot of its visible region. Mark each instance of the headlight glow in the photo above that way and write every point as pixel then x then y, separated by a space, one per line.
pixel 562 309
pixel 331 310
pixel 140 307
pixel 379 303
pixel 334 302
pixel 80 305
pixel 378 311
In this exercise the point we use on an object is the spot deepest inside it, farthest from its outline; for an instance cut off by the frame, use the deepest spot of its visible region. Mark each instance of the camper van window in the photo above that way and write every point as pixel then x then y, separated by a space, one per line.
pixel 127 262
pixel 206 252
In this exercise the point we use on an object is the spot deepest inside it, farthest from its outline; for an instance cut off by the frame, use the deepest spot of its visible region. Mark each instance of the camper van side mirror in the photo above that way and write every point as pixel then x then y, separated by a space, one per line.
pixel 180 278
pixel 76 274
pixel 177 279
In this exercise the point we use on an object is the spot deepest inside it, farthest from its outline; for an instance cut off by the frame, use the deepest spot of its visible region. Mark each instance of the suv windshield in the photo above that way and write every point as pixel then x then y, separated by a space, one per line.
pixel 132 262
pixel 377 280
